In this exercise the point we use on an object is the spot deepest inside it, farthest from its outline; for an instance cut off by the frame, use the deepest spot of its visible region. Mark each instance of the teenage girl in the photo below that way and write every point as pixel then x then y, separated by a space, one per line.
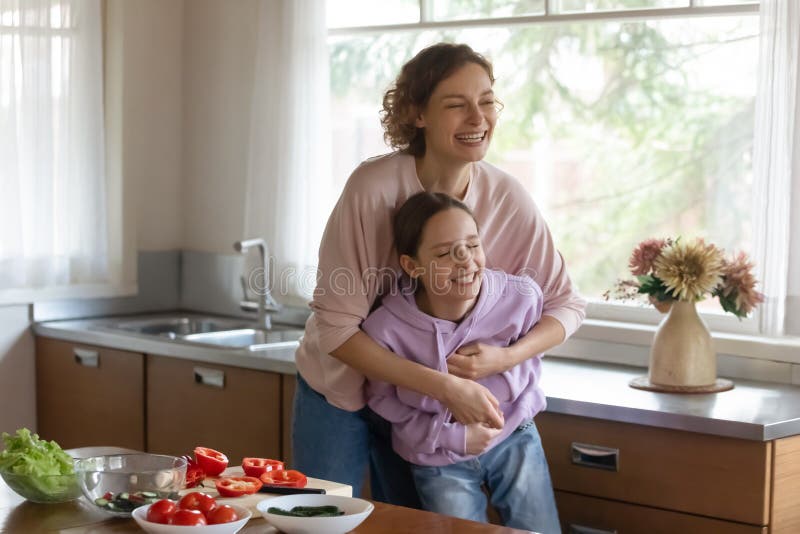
pixel 445 299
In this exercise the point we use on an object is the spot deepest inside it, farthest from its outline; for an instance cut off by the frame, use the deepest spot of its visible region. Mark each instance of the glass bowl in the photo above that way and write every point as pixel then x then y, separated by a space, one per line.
pixel 45 488
pixel 119 483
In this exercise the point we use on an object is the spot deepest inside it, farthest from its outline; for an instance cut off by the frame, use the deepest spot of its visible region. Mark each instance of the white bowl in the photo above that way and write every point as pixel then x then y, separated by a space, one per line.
pixel 140 516
pixel 355 511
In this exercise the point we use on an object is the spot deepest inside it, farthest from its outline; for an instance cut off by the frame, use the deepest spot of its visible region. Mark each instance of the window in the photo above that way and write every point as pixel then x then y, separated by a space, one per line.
pixel 625 119
pixel 56 240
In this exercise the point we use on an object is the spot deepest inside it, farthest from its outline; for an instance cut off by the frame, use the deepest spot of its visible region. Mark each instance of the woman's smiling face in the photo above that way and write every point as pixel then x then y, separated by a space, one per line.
pixel 460 116
pixel 450 260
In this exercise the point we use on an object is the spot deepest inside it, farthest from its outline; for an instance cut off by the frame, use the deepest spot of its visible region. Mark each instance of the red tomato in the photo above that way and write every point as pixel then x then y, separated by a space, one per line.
pixel 161 511
pixel 236 486
pixel 188 518
pixel 197 501
pixel 194 473
pixel 222 514
pixel 255 467
pixel 211 461
pixel 285 477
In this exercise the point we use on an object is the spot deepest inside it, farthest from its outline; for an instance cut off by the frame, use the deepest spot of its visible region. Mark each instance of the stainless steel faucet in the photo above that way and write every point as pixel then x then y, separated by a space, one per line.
pixel 266 304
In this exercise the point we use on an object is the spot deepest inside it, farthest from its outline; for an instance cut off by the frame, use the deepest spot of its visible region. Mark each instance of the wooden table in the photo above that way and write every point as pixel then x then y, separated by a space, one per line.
pixel 79 517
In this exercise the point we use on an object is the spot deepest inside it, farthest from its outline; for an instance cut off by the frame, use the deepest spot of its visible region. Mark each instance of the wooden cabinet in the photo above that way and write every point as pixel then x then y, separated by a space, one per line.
pixel 619 477
pixel 288 387
pixel 88 395
pixel 234 410
pixel 581 514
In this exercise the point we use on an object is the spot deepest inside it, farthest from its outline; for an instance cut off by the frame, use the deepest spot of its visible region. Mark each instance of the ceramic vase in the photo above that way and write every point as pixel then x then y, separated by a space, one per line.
pixel 682 356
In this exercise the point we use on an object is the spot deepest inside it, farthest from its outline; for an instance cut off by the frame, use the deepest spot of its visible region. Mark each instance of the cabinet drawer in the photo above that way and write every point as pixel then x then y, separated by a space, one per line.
pixel 234 410
pixel 88 395
pixel 683 471
pixel 580 514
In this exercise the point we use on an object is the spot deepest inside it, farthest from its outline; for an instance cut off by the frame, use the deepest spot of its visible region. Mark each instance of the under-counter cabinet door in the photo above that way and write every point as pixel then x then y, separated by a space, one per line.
pixel 785 517
pixel 581 514
pixel 688 472
pixel 88 395
pixel 233 410
pixel 288 388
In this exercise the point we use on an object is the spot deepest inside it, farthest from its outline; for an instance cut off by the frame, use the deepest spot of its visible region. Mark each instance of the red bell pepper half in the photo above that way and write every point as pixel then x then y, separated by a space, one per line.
pixel 237 486
pixel 285 477
pixel 211 461
pixel 255 467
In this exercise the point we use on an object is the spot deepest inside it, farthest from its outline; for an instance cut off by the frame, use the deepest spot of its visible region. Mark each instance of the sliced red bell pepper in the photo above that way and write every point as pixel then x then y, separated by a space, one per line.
pixel 237 486
pixel 211 461
pixel 285 477
pixel 194 473
pixel 255 467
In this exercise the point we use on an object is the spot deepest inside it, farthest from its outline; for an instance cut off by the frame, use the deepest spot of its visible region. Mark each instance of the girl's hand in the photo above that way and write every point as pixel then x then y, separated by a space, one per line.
pixel 470 402
pixel 478 361
pixel 479 436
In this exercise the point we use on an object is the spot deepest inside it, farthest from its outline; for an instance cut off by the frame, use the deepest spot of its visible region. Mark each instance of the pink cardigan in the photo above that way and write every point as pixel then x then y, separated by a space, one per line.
pixel 357 261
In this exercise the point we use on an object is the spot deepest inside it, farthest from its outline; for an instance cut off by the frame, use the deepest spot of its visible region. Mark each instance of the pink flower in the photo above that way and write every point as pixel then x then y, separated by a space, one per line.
pixel 738 279
pixel 644 256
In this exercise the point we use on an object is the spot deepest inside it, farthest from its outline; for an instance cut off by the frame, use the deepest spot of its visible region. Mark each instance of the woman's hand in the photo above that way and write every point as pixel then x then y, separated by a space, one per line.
pixel 478 361
pixel 470 402
pixel 479 436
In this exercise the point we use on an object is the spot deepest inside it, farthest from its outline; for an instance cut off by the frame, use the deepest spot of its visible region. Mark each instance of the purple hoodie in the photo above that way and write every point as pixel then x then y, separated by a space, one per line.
pixel 423 430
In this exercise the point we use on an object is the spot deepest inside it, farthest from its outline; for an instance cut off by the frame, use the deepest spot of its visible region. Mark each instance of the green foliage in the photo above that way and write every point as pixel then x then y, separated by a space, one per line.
pixel 728 303
pixel 650 285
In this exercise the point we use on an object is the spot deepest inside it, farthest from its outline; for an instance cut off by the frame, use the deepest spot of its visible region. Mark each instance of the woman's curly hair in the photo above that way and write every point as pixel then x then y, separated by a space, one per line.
pixel 413 88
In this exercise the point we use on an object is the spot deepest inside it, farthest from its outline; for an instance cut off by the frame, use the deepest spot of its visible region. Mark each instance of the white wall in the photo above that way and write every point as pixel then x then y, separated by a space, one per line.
pixel 152 121
pixel 219 55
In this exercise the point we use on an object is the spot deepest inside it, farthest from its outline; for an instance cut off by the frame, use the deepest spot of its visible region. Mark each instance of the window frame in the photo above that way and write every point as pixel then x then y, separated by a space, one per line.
pixel 427 22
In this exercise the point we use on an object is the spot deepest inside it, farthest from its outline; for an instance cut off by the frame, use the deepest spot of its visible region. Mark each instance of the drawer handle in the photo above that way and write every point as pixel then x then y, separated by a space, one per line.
pixel 86 357
pixel 581 529
pixel 209 377
pixel 595 456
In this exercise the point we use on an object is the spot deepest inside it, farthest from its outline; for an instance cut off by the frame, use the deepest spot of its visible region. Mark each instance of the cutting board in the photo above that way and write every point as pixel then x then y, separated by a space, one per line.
pixel 250 501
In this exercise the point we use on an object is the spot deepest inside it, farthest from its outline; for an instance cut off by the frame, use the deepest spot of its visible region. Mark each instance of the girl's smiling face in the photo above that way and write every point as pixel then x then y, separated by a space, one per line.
pixel 450 260
pixel 460 116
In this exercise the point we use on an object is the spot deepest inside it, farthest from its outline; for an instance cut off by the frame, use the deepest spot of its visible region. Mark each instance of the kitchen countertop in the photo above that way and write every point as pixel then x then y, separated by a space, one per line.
pixel 759 411
pixel 279 359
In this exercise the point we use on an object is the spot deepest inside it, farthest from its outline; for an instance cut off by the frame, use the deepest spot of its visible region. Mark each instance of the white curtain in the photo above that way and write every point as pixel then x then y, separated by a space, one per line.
pixel 53 210
pixel 777 166
pixel 289 179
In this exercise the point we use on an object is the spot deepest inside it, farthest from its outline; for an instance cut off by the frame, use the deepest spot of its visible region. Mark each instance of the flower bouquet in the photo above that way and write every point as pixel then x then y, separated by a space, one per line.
pixel 667 270
pixel 675 274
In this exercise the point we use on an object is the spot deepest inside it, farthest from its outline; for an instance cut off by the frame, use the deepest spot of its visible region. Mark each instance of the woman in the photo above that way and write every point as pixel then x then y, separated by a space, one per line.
pixel 439 116
pixel 447 298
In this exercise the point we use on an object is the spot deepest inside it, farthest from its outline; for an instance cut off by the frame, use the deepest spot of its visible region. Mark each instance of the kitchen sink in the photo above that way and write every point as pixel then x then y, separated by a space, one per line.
pixel 206 330
pixel 251 338
pixel 173 327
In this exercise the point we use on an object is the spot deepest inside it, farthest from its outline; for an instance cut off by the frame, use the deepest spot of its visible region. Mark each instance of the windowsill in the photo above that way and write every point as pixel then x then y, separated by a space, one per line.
pixel 784 349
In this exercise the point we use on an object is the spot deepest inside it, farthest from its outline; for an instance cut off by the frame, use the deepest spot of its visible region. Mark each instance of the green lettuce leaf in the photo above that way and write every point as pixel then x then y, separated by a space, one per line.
pixel 26 454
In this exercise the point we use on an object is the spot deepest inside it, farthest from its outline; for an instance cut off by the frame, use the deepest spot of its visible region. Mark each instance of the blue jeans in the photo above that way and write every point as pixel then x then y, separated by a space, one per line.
pixel 516 475
pixel 334 444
